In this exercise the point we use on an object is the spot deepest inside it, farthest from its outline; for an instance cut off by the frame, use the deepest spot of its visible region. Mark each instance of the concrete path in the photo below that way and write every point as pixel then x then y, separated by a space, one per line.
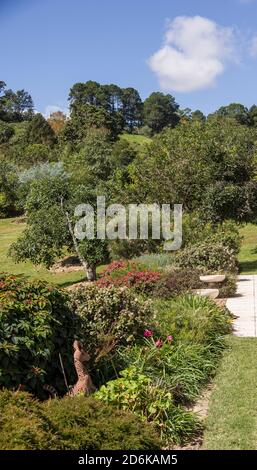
pixel 244 306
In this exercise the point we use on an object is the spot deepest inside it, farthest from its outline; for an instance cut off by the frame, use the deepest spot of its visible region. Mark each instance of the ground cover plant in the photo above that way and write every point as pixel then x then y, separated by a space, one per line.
pixel 69 424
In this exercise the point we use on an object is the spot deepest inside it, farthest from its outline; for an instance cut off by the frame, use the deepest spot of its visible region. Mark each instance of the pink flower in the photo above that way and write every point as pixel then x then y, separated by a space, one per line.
pixel 158 343
pixel 148 333
pixel 170 338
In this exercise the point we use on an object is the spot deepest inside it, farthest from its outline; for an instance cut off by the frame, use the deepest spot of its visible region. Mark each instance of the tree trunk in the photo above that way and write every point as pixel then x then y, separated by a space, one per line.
pixel 91 273
pixel 89 270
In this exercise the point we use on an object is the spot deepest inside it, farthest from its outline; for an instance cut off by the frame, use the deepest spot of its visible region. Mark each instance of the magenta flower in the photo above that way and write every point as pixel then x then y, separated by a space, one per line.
pixel 170 338
pixel 148 333
pixel 158 343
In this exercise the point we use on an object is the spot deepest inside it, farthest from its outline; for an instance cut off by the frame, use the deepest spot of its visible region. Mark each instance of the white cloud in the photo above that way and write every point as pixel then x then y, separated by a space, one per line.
pixel 194 54
pixel 253 46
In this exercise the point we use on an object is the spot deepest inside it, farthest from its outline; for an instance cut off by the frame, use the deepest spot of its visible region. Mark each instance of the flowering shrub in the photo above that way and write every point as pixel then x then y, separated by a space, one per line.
pixel 127 274
pixel 35 326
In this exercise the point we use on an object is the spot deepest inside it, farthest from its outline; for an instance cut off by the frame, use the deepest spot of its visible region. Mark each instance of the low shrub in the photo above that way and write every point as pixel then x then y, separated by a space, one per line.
pixel 207 257
pixel 23 424
pixel 87 423
pixel 108 317
pixel 69 424
pixel 176 282
pixel 228 288
pixel 36 325
pixel 129 249
pixel 135 391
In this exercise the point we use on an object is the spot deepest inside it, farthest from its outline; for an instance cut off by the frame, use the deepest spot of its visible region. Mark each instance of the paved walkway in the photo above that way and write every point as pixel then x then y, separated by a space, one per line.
pixel 244 306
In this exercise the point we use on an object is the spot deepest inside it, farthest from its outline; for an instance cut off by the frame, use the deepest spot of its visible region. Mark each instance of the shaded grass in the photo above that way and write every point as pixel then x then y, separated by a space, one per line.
pixel 10 230
pixel 232 416
pixel 248 252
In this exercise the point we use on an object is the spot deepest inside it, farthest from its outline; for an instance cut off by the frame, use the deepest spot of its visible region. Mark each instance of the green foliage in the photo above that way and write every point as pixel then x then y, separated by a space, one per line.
pixel 160 111
pixel 206 167
pixel 123 153
pixel 235 111
pixel 35 326
pixel 15 106
pixel 109 316
pixel 8 189
pixel 195 319
pixel 207 257
pixel 134 391
pixel 228 288
pixel 37 153
pixel 197 230
pixel 40 132
pixel 6 132
pixel 86 423
pixel 69 424
pixel 183 349
pixel 182 368
pixel 91 163
pixel 175 282
pixel 24 425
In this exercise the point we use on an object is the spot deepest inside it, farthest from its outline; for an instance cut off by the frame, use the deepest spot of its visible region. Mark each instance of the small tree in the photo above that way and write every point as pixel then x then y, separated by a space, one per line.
pixel 160 111
pixel 50 206
pixel 40 132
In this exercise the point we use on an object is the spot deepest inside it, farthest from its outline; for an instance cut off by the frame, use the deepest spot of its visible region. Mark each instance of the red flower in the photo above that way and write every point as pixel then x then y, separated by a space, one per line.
pixel 148 333
pixel 158 343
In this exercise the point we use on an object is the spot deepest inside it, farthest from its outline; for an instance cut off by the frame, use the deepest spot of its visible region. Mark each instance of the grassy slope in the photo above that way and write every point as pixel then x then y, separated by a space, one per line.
pixel 9 232
pixel 232 415
pixel 136 139
pixel 248 252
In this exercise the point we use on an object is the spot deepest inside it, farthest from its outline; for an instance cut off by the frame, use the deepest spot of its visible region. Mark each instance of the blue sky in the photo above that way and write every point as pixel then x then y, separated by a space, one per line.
pixel 206 59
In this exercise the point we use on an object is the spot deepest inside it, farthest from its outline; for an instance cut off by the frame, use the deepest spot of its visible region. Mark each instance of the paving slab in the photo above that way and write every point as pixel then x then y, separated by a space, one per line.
pixel 244 306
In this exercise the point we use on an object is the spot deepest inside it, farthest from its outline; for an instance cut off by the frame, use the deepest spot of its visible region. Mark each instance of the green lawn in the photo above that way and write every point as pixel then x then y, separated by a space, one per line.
pixel 232 415
pixel 136 139
pixel 9 232
pixel 248 252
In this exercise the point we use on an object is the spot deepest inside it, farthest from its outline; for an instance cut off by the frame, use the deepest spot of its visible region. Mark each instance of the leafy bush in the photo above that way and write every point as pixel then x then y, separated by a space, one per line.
pixel 196 230
pixel 8 189
pixel 207 257
pixel 176 282
pixel 35 326
pixel 132 248
pixel 69 424
pixel 228 288
pixel 109 316
pixel 6 132
pixel 135 391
